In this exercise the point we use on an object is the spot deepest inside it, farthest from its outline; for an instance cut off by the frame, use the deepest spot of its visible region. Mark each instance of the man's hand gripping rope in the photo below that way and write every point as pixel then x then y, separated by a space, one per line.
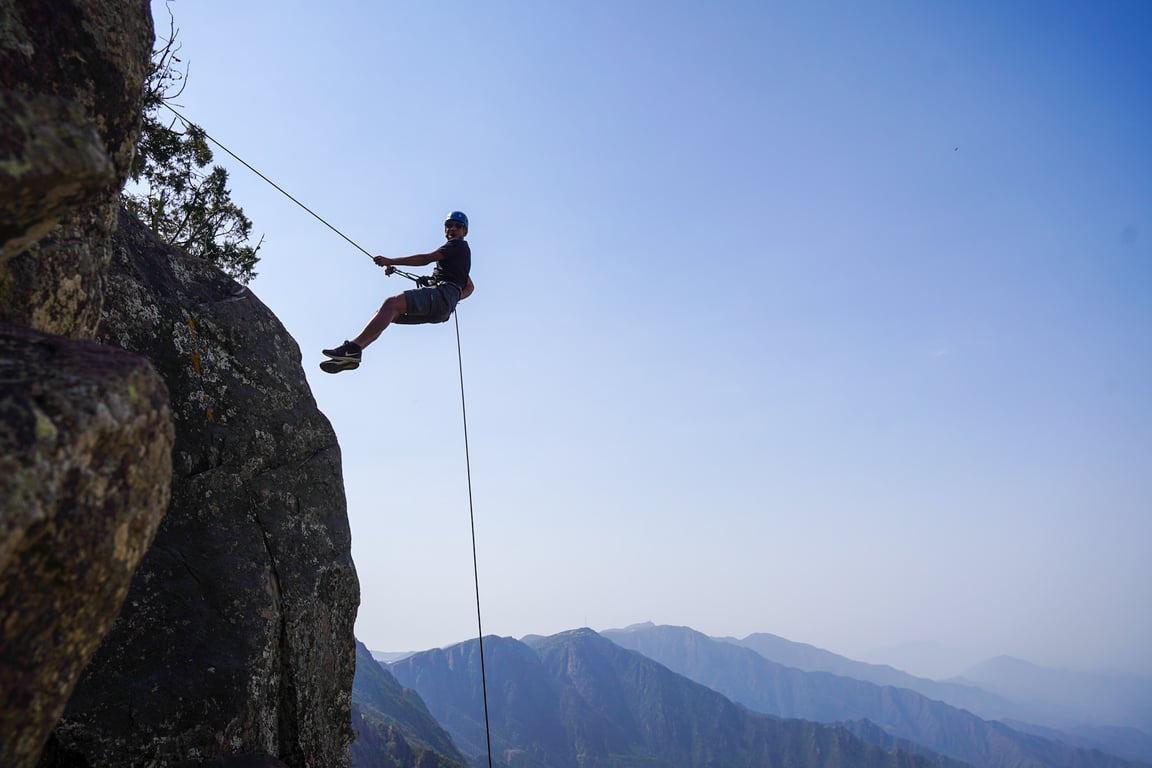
pixel 391 270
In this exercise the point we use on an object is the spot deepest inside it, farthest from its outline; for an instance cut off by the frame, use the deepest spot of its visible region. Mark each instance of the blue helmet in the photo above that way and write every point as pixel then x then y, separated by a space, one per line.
pixel 457 216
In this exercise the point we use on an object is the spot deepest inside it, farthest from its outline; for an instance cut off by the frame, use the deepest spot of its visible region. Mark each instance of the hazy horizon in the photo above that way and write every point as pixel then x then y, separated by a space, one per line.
pixel 829 320
pixel 930 660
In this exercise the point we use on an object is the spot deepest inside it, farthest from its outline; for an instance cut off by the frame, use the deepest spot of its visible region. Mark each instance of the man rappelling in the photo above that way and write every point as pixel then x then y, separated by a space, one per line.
pixel 432 301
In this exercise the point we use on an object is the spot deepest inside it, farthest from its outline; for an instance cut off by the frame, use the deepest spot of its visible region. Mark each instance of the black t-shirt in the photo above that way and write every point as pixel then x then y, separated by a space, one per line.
pixel 454 264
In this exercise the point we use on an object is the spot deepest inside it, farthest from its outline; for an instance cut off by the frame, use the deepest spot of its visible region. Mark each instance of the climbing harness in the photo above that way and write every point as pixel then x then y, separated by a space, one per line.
pixel 420 281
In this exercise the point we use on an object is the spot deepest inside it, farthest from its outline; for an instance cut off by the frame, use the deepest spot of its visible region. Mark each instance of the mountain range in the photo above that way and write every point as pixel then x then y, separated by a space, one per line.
pixel 393 726
pixel 1064 698
pixel 578 700
pixel 664 697
pixel 1002 688
pixel 1109 712
pixel 748 678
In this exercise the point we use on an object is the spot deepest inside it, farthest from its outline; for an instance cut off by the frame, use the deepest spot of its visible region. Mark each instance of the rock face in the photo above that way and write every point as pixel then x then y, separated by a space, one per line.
pixel 85 430
pixel 85 457
pixel 236 637
pixel 58 164
pixel 71 87
pixel 234 645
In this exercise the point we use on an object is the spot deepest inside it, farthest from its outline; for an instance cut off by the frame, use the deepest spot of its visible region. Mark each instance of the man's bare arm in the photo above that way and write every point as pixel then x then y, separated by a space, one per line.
pixel 416 260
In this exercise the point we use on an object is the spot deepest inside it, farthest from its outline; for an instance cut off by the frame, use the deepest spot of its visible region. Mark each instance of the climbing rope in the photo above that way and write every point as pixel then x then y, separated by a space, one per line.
pixel 475 564
pixel 463 413
pixel 193 126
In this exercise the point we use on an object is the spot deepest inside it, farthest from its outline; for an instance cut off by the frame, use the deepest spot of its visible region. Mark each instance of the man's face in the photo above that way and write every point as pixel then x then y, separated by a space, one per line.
pixel 454 229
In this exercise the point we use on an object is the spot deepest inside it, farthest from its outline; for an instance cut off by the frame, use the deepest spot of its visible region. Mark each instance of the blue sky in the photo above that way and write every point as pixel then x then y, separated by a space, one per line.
pixel 831 320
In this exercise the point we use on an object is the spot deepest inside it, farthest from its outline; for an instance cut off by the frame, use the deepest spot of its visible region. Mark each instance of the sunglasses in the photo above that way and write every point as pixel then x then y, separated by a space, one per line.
pixel 453 225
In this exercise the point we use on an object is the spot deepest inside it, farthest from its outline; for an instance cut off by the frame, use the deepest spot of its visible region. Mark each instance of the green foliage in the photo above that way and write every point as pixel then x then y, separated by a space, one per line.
pixel 173 191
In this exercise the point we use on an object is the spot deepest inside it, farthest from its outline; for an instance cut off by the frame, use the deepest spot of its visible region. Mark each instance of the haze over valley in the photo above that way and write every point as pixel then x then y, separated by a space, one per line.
pixel 1006 713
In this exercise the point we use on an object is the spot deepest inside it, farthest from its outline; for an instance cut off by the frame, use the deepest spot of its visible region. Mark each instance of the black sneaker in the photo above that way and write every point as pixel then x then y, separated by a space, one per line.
pixel 346 352
pixel 335 366
pixel 345 357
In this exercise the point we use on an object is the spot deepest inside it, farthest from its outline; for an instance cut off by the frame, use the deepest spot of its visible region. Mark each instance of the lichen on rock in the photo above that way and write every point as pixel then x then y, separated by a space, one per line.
pixel 234 645
pixel 85 459
pixel 252 565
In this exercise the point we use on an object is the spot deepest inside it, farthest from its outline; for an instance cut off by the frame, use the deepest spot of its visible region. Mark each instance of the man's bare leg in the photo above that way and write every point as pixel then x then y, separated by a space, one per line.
pixel 392 308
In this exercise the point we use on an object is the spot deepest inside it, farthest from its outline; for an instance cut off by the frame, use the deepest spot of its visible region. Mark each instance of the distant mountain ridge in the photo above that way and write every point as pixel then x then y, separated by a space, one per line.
pixel 748 678
pixel 1093 711
pixel 812 659
pixel 577 700
pixel 394 729
pixel 1120 703
pixel 1078 698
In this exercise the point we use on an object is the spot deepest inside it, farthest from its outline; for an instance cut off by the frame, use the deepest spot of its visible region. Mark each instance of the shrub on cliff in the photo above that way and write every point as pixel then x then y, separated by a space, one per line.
pixel 173 191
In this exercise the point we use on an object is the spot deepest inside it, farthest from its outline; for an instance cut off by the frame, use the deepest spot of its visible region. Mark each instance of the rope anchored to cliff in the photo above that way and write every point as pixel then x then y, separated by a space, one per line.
pixel 278 188
pixel 463 409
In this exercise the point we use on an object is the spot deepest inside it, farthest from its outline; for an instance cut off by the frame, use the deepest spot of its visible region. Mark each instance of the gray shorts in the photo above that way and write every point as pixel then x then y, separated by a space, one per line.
pixel 429 305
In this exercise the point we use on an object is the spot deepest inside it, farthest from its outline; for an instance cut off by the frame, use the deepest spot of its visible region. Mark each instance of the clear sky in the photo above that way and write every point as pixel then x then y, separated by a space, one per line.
pixel 825 319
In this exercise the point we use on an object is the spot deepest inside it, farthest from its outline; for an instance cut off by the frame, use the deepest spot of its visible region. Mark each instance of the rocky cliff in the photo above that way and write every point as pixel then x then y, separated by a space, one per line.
pixel 237 633
pixel 157 440
pixel 85 430
pixel 71 79
pixel 85 458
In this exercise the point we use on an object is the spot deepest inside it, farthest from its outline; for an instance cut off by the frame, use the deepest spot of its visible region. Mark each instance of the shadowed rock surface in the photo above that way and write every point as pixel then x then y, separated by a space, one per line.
pixel 85 431
pixel 71 79
pixel 85 457
pixel 237 634
pixel 234 646
pixel 54 162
